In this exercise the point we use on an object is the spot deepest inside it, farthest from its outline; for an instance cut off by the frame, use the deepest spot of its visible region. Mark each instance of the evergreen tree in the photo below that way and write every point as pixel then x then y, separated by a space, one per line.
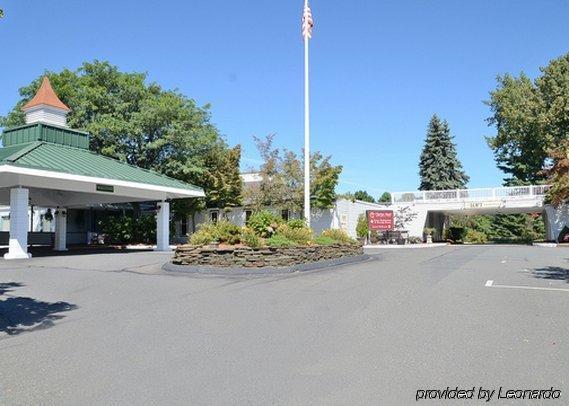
pixel 364 196
pixel 385 198
pixel 439 166
pixel 517 228
pixel 511 228
pixel 346 195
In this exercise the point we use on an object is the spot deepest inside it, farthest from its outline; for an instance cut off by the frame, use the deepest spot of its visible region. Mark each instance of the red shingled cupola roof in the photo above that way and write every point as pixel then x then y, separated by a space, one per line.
pixel 46 96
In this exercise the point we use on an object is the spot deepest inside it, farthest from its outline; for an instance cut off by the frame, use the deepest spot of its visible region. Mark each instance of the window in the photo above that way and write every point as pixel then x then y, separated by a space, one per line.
pixel 248 214
pixel 285 215
pixel 213 216
pixel 5 222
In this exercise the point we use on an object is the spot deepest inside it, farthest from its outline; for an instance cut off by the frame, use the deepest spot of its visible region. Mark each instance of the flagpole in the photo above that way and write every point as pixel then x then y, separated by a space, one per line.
pixel 306 131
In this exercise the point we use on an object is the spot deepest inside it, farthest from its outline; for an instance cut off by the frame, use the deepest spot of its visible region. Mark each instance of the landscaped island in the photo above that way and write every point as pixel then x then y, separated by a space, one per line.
pixel 266 241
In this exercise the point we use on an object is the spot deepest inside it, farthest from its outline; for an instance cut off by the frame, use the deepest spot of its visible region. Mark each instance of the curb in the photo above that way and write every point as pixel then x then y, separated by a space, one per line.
pixel 211 270
pixel 545 244
pixel 407 246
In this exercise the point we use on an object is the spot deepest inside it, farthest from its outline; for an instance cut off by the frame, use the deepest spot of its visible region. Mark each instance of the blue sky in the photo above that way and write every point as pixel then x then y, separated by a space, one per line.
pixel 380 68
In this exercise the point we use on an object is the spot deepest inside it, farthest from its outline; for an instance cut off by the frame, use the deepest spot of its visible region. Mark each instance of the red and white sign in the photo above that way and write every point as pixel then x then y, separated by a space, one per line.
pixel 380 220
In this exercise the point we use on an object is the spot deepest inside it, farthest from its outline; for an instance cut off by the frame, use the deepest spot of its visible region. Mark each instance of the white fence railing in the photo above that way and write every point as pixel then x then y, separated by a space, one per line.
pixel 466 195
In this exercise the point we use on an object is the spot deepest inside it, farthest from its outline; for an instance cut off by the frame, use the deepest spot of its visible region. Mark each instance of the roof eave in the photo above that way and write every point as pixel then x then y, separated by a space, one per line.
pixel 171 192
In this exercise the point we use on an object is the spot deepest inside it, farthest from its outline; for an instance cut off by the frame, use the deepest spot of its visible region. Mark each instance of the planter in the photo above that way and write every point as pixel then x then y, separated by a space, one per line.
pixel 246 257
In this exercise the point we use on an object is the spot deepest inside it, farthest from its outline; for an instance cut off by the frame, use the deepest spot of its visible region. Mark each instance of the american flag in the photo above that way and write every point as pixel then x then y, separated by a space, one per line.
pixel 307 22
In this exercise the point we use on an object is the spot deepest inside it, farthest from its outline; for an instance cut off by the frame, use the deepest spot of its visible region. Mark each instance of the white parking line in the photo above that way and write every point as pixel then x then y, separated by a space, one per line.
pixel 490 284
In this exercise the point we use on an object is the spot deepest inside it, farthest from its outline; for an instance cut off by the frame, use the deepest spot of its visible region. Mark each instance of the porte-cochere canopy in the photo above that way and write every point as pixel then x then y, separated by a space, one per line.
pixel 45 163
pixel 74 176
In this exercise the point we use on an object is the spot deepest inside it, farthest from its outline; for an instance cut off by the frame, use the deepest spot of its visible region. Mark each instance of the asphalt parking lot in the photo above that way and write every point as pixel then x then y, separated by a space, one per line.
pixel 115 329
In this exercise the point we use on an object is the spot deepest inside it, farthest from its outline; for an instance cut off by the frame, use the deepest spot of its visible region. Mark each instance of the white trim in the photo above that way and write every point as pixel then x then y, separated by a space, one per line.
pixel 42 113
pixel 90 179
pixel 45 106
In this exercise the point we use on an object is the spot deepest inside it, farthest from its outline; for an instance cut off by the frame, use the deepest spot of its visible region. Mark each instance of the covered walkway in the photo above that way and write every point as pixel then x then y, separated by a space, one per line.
pixel 432 206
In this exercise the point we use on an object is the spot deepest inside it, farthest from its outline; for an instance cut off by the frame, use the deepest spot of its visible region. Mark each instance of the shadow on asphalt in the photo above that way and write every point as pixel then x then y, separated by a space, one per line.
pixel 24 314
pixel 551 272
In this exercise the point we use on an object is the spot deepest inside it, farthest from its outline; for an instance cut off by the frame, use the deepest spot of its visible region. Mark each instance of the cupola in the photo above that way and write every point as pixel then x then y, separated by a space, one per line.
pixel 46 121
pixel 46 107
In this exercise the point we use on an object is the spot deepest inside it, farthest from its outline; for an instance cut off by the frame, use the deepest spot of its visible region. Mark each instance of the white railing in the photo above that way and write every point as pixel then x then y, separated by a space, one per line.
pixel 466 195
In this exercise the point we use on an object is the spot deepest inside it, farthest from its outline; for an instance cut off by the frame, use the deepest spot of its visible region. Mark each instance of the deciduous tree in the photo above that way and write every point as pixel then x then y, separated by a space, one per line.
pixel 144 125
pixel 403 216
pixel 558 174
pixel 282 183
pixel 531 119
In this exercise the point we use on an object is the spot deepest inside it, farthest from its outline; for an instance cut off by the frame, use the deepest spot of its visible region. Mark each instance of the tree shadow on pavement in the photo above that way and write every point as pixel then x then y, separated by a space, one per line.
pixel 9 286
pixel 551 272
pixel 24 314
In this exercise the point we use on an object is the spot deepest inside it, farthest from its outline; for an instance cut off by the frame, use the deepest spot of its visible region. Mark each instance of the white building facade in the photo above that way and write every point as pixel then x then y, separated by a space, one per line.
pixel 427 209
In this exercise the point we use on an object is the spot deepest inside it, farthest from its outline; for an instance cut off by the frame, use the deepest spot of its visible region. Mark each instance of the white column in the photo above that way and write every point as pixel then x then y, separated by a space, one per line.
pixel 19 222
pixel 60 229
pixel 163 227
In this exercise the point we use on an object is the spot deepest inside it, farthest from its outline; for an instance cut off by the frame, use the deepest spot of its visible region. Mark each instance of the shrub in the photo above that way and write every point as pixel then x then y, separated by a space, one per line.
pixel 323 240
pixel 415 240
pixel 128 230
pixel 296 223
pixel 339 235
pixel 429 231
pixel 222 232
pixel 475 237
pixel 225 231
pixel 362 227
pixel 264 223
pixel 278 240
pixel 117 229
pixel 374 237
pixel 249 238
pixel 202 237
pixel 456 234
pixel 301 236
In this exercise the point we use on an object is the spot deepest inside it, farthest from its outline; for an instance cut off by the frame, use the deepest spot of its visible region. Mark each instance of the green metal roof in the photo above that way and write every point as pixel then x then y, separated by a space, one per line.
pixel 60 158
pixel 45 132
pixel 7 152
